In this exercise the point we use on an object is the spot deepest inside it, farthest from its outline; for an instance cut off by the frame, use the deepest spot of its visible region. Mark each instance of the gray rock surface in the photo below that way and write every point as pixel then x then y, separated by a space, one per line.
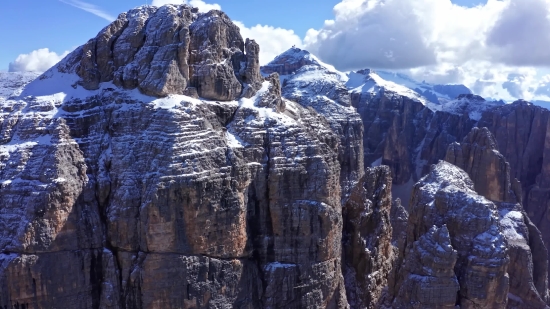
pixel 479 157
pixel 454 243
pixel 521 131
pixel 112 198
pixel 367 249
pixel 165 50
pixel 313 84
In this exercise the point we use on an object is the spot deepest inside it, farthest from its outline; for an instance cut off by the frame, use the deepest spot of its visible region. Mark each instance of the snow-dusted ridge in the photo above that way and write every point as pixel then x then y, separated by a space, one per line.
pixel 305 70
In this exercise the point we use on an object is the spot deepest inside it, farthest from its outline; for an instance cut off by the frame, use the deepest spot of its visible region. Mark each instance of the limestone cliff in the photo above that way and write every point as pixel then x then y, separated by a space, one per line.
pixel 455 252
pixel 367 250
pixel 488 169
pixel 154 167
pixel 522 133
pixel 166 50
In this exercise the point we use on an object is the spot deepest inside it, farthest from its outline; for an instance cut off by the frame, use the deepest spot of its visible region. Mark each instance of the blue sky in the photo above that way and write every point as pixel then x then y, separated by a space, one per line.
pixel 33 24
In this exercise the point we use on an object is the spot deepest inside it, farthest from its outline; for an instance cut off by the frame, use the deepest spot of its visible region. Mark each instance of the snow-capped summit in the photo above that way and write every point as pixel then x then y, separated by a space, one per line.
pixel 306 77
pixel 290 61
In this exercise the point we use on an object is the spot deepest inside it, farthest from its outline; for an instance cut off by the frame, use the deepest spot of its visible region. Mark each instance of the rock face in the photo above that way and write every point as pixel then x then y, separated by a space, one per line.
pixel 367 250
pixel 165 50
pixel 115 199
pixel 398 218
pixel 313 84
pixel 479 157
pixel 455 252
pixel 521 131
pixel 404 130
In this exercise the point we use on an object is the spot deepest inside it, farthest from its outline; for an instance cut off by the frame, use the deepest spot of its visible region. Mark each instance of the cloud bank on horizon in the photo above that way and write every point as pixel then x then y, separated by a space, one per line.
pixel 498 49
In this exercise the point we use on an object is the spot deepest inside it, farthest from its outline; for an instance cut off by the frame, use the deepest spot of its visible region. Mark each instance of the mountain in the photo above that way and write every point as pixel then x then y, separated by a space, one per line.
pixel 154 167
pixel 408 133
pixel 435 93
pixel 158 166
pixel 295 58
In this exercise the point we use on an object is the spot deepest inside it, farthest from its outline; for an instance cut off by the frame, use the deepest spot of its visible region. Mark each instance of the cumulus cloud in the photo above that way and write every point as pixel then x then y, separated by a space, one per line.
pixel 201 5
pixel 514 85
pixel 494 48
pixel 38 60
pixel 401 34
pixel 273 41
pixel 543 88
pixel 372 34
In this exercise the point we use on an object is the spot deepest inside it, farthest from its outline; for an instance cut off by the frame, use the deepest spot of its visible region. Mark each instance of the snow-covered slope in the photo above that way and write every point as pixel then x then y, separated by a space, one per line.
pixel 11 83
pixel 433 92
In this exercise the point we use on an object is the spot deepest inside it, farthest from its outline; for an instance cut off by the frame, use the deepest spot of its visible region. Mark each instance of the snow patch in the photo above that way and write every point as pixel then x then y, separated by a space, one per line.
pixel 233 141
pixel 276 265
pixel 511 222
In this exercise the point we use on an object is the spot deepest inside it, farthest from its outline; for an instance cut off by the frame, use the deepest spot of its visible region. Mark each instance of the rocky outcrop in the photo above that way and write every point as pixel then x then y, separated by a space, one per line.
pixel 315 85
pixel 115 199
pixel 398 218
pixel 521 131
pixel 367 250
pixel 431 281
pixel 479 157
pixel 454 244
pixel 165 50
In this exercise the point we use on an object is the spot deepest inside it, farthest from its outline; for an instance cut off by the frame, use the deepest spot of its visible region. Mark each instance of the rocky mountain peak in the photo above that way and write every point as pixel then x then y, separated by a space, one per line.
pixel 471 97
pixel 479 157
pixel 455 251
pixel 170 50
pixel 291 61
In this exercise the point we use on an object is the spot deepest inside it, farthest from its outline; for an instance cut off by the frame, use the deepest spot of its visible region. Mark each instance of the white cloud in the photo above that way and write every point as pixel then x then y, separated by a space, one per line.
pixel 497 49
pixel 521 36
pixel 401 34
pixel 36 61
pixel 90 8
pixel 201 5
pixel 273 41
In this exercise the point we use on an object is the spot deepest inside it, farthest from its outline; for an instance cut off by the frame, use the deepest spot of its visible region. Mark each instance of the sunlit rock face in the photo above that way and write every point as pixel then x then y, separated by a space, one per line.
pixel 154 167
pixel 166 50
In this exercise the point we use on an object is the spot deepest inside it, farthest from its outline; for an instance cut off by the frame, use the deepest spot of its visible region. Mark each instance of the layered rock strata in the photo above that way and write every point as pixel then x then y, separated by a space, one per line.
pixel 455 252
pixel 115 198
pixel 367 250
pixel 479 157
pixel 313 84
